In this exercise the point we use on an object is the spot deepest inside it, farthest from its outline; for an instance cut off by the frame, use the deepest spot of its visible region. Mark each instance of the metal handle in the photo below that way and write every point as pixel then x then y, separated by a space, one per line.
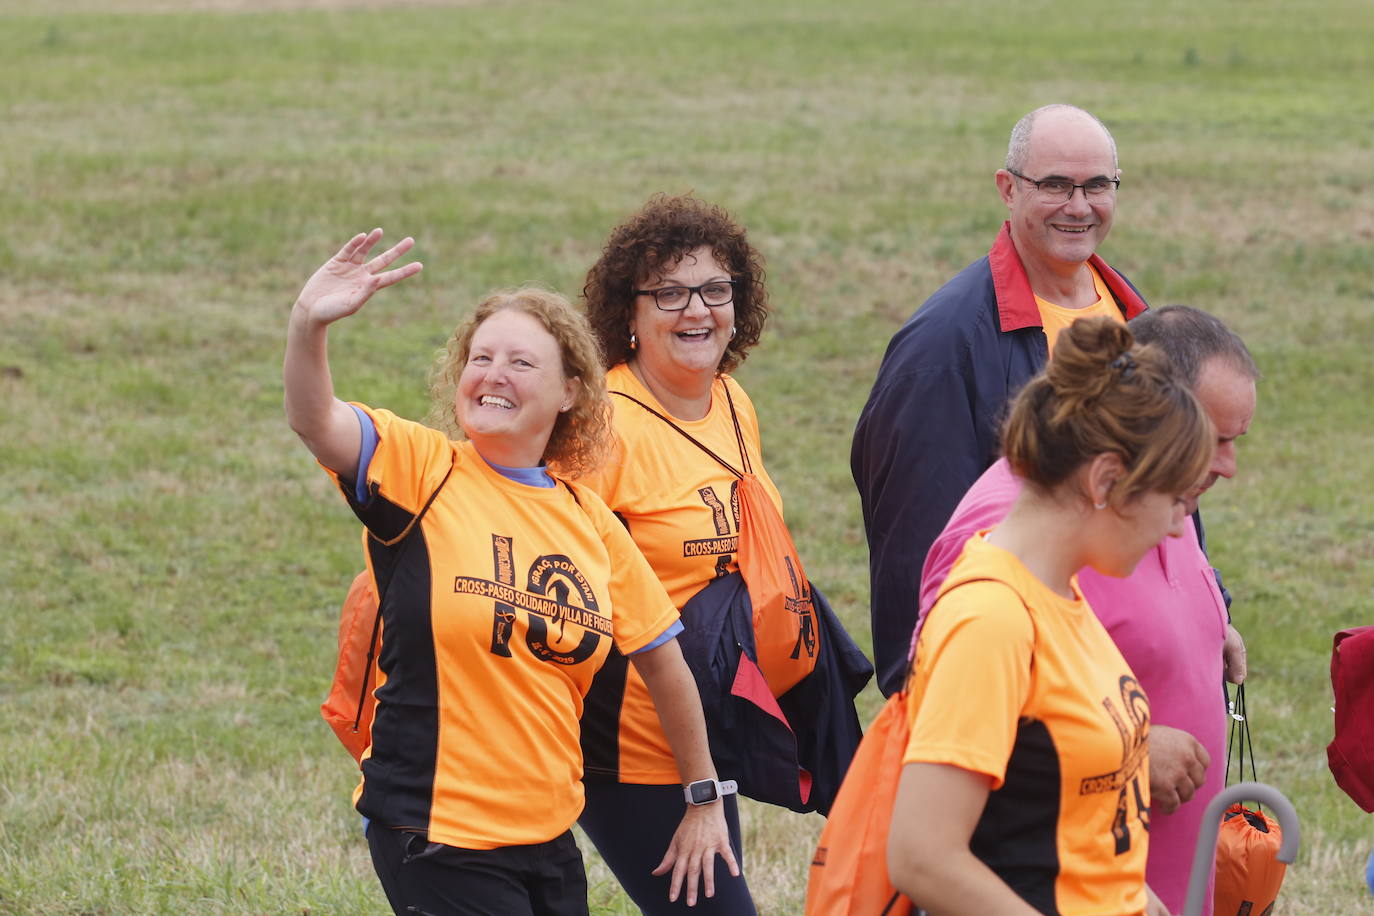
pixel 1205 853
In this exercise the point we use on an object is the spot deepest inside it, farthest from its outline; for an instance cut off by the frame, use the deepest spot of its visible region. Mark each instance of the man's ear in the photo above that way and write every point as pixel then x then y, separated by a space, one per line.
pixel 1006 186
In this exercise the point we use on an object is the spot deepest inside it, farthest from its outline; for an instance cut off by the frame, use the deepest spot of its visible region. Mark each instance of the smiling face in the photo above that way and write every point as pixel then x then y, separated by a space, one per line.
pixel 1058 235
pixel 680 350
pixel 1228 397
pixel 512 389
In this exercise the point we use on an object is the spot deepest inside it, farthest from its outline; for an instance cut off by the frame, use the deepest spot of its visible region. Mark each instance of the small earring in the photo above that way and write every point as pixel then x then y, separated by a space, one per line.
pixel 565 408
pixel 1099 505
pixel 634 341
pixel 733 329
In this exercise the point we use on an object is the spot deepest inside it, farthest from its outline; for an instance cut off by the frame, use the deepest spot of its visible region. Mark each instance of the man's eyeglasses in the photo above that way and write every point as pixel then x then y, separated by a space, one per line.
pixel 676 298
pixel 1062 189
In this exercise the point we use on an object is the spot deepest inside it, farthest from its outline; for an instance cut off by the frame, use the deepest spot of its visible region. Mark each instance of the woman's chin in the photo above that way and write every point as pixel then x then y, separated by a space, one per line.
pixel 699 362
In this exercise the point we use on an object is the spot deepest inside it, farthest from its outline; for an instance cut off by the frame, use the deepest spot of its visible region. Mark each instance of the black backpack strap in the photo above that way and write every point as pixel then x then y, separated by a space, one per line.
pixel 381 593
pixel 739 433
pixel 692 439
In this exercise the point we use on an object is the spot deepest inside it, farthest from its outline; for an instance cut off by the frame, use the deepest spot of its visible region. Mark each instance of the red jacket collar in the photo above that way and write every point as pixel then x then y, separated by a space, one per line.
pixel 1016 306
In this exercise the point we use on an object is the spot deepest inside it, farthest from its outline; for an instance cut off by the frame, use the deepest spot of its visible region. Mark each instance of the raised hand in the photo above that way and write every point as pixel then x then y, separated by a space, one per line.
pixel 326 425
pixel 345 282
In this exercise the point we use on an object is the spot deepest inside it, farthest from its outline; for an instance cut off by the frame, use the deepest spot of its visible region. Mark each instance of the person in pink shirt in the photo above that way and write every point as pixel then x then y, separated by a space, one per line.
pixel 1168 618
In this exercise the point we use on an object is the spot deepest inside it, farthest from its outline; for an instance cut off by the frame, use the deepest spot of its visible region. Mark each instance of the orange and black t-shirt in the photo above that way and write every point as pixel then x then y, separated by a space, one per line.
pixel 680 507
pixel 497 614
pixel 1025 686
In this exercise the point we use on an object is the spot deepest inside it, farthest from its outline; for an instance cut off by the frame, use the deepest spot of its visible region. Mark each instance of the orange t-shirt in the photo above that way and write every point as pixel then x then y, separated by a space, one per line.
pixel 679 506
pixel 1025 686
pixel 1055 318
pixel 498 613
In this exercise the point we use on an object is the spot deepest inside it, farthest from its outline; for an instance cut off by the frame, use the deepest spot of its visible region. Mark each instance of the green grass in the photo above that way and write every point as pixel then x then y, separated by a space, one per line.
pixel 170 177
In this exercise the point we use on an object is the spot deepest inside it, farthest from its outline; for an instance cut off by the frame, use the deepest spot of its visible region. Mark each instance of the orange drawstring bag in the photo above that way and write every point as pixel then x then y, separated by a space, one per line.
pixel 350 705
pixel 1248 870
pixel 849 869
pixel 786 637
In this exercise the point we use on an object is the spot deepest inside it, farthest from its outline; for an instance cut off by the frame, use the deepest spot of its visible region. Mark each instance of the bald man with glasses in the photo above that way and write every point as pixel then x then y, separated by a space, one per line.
pixel 929 428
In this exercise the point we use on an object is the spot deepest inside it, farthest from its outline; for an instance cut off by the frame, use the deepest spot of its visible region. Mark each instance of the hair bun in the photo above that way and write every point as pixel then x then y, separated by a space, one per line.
pixel 1090 355
pixel 1103 393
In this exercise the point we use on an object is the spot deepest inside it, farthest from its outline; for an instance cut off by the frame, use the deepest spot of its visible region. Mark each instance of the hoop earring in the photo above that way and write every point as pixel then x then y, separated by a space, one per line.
pixel 1099 505
pixel 634 341
pixel 733 329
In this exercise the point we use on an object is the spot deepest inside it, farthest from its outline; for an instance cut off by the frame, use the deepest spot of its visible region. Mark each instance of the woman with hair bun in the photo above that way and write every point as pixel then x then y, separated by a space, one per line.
pixel 1024 786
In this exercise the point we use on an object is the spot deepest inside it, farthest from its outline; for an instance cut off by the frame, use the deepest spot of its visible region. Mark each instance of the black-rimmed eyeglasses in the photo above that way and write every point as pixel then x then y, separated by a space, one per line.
pixel 676 298
pixel 1062 189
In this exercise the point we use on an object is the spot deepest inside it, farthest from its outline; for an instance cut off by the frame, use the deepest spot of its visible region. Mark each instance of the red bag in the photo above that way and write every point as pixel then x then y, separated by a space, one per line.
pixel 350 705
pixel 1350 755
pixel 849 870
pixel 1249 873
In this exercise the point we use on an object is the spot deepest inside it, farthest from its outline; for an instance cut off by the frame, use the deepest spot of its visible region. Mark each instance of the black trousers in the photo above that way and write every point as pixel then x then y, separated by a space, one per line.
pixel 632 825
pixel 430 879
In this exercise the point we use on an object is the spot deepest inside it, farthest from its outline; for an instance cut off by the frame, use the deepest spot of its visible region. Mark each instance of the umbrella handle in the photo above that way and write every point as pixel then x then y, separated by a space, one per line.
pixel 1206 851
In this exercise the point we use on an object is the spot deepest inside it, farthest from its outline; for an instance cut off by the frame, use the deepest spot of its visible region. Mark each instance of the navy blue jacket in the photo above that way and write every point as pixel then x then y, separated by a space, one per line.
pixel 791 751
pixel 930 426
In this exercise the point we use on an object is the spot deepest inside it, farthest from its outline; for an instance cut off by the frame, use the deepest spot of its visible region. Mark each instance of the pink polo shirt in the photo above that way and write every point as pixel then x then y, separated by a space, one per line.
pixel 1169 621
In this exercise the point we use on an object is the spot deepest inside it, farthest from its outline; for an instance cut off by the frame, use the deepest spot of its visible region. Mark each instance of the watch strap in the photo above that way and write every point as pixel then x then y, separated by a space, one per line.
pixel 719 789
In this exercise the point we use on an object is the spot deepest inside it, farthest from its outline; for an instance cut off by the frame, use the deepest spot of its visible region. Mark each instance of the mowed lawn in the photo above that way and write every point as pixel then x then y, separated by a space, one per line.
pixel 170 173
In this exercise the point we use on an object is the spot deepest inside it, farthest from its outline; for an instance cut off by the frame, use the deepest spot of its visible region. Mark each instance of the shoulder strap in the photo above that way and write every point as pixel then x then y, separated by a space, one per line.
pixel 945 590
pixel 381 593
pixel 692 439
pixel 739 433
pixel 415 520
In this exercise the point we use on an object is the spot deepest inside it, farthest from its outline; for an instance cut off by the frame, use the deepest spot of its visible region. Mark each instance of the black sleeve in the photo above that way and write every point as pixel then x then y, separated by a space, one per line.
pixel 917 449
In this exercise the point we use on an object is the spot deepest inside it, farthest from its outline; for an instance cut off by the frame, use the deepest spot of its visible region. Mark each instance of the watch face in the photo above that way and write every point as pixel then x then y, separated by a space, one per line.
pixel 703 792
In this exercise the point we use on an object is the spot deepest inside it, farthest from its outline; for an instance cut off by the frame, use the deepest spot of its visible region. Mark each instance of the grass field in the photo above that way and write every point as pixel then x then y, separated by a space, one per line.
pixel 172 172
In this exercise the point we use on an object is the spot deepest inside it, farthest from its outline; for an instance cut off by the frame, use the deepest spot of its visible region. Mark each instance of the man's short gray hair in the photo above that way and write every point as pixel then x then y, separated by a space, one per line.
pixel 1190 338
pixel 1018 148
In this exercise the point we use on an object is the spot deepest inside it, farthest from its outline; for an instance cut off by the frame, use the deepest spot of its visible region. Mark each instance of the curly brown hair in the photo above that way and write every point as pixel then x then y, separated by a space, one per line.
pixel 666 228
pixel 580 436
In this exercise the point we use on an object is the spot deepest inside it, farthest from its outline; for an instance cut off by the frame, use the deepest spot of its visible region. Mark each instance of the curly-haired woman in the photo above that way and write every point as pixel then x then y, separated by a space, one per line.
pixel 504 587
pixel 676 300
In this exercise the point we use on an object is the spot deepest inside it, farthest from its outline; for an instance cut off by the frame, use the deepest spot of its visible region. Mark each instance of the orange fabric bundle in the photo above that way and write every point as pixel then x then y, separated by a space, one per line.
pixel 1248 874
